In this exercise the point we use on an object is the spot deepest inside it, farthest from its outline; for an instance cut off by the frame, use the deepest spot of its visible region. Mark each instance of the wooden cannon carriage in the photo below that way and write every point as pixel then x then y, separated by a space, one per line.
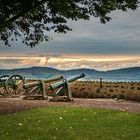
pixel 37 89
pixel 11 86
pixel 62 90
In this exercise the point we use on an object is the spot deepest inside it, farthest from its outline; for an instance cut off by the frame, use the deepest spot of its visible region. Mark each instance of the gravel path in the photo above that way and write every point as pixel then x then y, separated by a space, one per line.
pixel 11 105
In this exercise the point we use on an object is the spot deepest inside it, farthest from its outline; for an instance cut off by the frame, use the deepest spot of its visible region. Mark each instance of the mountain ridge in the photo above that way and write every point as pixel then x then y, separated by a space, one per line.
pixel 38 67
pixel 131 73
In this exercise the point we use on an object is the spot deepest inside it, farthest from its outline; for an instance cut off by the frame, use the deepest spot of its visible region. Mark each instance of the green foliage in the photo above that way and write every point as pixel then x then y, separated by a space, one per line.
pixel 70 123
pixel 31 20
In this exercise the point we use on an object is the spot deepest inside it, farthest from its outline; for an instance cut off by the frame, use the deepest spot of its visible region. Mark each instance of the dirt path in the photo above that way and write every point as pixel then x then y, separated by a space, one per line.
pixel 11 105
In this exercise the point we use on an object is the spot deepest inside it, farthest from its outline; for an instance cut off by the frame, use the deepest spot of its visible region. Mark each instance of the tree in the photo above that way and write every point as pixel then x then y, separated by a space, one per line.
pixel 32 19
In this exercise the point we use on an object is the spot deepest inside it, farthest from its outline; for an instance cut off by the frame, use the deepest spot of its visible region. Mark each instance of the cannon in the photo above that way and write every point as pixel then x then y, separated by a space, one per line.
pixel 11 86
pixel 37 89
pixel 62 88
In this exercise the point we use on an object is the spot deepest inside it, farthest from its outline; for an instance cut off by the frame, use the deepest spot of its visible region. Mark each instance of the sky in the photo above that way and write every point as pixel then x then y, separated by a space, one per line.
pixel 90 44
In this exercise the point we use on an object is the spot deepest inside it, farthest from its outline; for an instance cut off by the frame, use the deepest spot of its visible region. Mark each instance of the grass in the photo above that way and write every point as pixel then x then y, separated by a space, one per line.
pixel 70 123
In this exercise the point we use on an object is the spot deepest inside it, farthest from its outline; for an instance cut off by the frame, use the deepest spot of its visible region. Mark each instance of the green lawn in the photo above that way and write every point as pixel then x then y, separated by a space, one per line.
pixel 70 123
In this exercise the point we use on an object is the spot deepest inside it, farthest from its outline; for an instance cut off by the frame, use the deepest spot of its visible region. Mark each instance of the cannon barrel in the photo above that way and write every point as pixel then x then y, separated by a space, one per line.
pixel 69 80
pixel 73 78
pixel 53 79
pixel 30 85
pixel 37 83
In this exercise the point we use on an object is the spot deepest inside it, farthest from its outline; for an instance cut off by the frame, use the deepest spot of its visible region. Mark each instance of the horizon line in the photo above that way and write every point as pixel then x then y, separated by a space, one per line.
pixel 68 69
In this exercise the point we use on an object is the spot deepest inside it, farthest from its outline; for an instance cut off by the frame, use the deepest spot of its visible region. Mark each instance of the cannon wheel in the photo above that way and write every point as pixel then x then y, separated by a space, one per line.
pixel 3 90
pixel 14 85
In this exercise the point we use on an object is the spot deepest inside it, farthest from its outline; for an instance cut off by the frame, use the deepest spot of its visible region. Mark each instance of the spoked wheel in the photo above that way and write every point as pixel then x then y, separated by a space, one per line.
pixel 14 85
pixel 3 90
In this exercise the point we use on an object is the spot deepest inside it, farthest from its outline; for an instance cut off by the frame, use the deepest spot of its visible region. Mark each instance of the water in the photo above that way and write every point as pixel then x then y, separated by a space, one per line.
pixel 95 78
pixel 114 79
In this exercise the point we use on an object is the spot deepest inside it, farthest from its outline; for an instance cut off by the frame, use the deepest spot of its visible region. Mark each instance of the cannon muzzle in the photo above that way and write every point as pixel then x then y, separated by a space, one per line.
pixel 71 79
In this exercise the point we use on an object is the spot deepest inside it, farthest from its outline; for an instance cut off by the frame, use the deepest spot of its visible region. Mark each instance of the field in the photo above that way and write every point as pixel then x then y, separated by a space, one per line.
pixel 70 123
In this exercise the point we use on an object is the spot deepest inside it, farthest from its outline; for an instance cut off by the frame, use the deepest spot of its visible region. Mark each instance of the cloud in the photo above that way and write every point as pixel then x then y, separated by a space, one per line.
pixel 121 36
pixel 21 62
pixel 72 62
pixel 103 66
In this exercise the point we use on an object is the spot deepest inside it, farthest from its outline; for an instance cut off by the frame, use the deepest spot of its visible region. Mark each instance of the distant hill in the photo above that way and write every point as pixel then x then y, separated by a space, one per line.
pixel 32 72
pixel 126 74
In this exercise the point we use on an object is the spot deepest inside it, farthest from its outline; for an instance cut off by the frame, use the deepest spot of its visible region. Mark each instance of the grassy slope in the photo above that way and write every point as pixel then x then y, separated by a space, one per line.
pixel 70 123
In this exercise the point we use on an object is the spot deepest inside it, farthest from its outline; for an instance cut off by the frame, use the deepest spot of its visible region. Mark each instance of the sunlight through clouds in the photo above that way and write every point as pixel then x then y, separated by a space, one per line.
pixel 72 62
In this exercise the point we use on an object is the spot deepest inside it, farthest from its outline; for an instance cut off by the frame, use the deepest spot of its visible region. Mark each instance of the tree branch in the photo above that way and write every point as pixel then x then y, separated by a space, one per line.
pixel 15 17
